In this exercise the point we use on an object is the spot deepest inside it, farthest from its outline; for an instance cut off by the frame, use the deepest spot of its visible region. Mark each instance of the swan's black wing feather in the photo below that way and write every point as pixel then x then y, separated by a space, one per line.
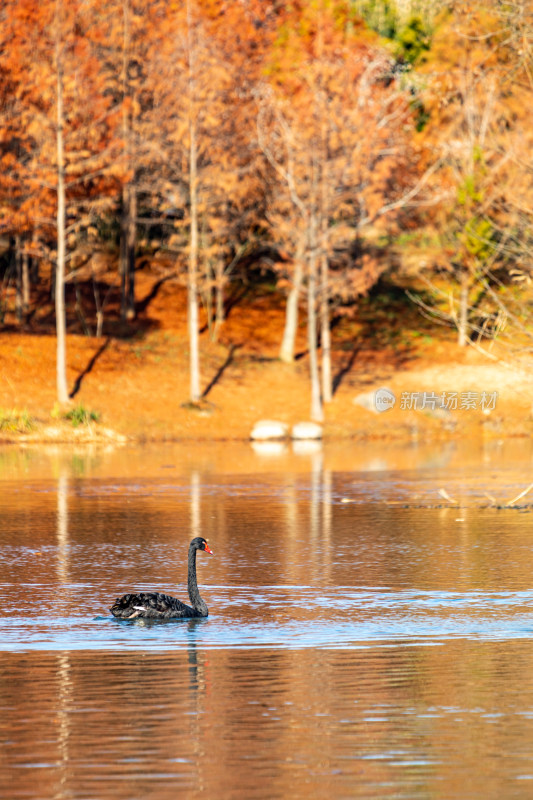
pixel 151 605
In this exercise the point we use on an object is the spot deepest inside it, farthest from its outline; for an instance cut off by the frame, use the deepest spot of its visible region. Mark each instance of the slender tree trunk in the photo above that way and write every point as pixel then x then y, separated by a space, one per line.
pixel 25 283
pixel 35 264
pixel 462 328
pixel 128 234
pixel 325 332
pixel 61 357
pixel 123 265
pixel 209 301
pixel 128 251
pixel 219 297
pixel 286 352
pixel 192 283
pixel 99 308
pixel 317 413
pixel 18 280
pixel 132 247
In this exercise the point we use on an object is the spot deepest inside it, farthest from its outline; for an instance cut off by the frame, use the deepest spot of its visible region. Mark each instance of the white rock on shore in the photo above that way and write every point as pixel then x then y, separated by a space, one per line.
pixel 306 430
pixel 268 429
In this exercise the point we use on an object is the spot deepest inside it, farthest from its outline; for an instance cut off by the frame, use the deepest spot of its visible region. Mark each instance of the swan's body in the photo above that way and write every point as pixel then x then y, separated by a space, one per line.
pixel 154 605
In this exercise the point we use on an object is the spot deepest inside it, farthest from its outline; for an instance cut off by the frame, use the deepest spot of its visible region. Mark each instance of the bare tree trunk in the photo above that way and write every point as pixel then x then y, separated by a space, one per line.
pixel 462 327
pixel 99 308
pixel 35 264
pixel 25 283
pixel 192 283
pixel 18 280
pixel 208 297
pixel 61 357
pixel 286 352
pixel 317 413
pixel 128 233
pixel 128 251
pixel 123 267
pixel 325 332
pixel 219 297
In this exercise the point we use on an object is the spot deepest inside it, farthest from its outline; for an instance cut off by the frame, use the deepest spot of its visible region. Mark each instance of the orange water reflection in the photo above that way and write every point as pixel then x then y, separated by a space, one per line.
pixel 414 722
pixel 429 695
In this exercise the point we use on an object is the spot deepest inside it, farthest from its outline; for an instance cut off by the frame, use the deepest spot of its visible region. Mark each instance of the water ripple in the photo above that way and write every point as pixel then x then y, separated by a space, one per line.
pixel 281 617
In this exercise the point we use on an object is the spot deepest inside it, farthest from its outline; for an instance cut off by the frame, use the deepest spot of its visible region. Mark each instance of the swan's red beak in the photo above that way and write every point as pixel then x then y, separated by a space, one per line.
pixel 208 549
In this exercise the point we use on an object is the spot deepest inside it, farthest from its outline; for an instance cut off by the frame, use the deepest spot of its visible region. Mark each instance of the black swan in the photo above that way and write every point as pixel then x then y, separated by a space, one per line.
pixel 154 605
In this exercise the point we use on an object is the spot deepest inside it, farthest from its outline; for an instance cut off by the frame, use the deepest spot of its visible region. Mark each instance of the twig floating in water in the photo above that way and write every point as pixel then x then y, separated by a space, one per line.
pixel 519 496
pixel 444 493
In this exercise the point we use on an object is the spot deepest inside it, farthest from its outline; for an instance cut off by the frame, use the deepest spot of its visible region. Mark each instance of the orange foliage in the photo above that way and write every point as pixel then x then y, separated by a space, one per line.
pixel 480 123
pixel 303 128
pixel 37 37
pixel 334 125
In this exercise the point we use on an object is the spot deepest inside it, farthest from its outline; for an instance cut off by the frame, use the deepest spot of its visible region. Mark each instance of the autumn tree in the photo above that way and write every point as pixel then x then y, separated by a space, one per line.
pixel 515 80
pixel 13 219
pixel 206 187
pixel 233 179
pixel 138 37
pixel 331 123
pixel 129 195
pixel 478 119
pixel 61 133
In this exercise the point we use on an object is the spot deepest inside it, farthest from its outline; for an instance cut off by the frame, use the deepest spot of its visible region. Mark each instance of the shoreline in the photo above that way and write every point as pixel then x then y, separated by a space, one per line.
pixel 136 385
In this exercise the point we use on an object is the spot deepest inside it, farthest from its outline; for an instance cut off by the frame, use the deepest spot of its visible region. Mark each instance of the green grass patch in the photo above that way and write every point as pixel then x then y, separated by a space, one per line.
pixel 16 421
pixel 79 415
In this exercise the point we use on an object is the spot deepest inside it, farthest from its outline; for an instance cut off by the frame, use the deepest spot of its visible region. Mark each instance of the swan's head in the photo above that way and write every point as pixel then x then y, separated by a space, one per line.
pixel 201 544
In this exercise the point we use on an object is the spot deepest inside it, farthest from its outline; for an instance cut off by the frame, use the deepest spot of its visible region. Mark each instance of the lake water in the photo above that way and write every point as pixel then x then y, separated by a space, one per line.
pixel 370 629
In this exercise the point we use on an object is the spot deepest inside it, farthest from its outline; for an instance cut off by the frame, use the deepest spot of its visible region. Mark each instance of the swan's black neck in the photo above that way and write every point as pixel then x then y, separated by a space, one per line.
pixel 197 603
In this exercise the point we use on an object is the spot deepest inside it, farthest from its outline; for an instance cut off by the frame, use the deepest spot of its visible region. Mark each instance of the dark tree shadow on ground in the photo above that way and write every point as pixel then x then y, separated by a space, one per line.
pixel 142 305
pixel 233 300
pixel 77 384
pixel 345 368
pixel 220 371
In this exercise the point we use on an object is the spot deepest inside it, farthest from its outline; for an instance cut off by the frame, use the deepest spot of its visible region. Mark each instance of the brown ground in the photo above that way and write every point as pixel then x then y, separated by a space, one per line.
pixel 137 378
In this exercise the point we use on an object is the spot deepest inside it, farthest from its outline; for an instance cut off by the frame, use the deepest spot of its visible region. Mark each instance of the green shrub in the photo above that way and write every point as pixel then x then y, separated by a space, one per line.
pixel 81 416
